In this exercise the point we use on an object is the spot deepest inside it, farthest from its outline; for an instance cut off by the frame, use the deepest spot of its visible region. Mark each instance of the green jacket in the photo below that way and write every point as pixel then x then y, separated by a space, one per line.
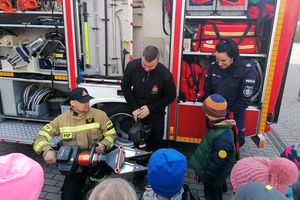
pixel 215 155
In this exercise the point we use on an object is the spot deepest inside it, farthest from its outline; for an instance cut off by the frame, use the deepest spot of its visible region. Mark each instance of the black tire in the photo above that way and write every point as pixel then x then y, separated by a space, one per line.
pixel 122 119
pixel 114 108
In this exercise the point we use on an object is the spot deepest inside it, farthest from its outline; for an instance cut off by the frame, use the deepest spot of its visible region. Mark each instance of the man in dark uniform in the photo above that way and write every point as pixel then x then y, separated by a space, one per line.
pixel 232 78
pixel 148 88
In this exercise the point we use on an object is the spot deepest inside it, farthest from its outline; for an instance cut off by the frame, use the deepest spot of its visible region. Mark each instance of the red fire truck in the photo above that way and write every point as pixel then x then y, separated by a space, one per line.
pixel 53 46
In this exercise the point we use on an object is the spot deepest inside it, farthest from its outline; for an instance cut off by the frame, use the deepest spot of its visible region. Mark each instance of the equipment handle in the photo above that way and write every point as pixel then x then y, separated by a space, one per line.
pixel 117 169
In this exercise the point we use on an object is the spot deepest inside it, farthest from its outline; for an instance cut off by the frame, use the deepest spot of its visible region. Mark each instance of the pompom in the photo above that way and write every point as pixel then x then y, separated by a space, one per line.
pixel 283 172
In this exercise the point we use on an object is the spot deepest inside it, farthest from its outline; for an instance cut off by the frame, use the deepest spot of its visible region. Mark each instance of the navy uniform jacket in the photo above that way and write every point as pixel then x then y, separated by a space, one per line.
pixel 156 88
pixel 235 83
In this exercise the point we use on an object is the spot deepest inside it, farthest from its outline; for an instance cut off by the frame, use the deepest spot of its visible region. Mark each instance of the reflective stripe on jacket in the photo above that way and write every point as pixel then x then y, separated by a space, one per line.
pixel 83 129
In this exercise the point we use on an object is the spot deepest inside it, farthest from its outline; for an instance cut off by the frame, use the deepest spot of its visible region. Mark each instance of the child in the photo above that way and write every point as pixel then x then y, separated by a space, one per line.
pixel 292 153
pixel 215 155
pixel 166 171
pixel 113 189
pixel 258 190
pixel 279 172
pixel 20 177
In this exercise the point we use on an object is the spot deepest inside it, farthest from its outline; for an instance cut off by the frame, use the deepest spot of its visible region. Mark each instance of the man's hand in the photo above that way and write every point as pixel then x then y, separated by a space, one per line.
pixel 100 148
pixel 50 157
pixel 144 112
pixel 136 113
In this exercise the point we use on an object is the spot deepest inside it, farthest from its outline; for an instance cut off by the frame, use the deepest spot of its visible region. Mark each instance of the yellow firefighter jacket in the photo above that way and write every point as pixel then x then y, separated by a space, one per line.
pixel 84 129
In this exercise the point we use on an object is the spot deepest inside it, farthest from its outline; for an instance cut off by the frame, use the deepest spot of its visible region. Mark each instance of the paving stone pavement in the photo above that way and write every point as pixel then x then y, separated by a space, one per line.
pixel 288 126
pixel 288 129
pixel 54 180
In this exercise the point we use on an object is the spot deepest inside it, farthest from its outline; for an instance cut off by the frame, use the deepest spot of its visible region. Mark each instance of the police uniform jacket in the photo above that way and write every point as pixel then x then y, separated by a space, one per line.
pixel 236 84
pixel 156 88
pixel 83 129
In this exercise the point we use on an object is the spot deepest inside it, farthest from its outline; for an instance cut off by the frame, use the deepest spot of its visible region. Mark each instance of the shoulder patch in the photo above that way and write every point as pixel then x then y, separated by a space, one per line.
pixel 222 154
pixel 109 124
pixel 248 91
pixel 48 127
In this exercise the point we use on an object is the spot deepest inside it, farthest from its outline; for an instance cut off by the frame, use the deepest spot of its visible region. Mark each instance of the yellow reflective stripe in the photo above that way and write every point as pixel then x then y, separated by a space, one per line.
pixel 232 34
pixel 251 46
pixel 110 132
pixel 79 128
pixel 39 145
pixel 110 140
pixel 94 179
pixel 209 46
pixel 46 135
pixel 240 46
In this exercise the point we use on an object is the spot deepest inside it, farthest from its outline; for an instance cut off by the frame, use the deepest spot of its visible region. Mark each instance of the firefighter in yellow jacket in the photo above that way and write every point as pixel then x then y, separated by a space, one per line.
pixel 83 126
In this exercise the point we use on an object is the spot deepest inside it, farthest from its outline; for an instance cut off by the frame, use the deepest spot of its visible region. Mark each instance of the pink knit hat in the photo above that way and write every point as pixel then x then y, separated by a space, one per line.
pixel 279 172
pixel 20 177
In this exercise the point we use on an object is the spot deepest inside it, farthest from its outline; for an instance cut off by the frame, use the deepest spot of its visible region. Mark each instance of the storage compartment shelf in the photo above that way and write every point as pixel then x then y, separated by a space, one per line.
pixel 30 26
pixel 34 12
pixel 35 80
pixel 206 53
pixel 215 17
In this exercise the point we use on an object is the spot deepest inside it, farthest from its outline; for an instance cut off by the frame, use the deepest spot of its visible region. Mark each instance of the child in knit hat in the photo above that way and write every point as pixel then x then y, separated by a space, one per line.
pixel 292 153
pixel 20 177
pixel 166 171
pixel 256 190
pixel 216 154
pixel 279 172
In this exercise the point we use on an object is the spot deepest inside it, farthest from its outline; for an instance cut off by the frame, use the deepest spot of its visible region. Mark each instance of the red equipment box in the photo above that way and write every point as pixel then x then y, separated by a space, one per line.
pixel 242 33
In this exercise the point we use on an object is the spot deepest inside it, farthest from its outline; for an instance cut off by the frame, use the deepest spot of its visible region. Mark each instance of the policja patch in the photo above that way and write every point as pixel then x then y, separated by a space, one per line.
pixel 248 91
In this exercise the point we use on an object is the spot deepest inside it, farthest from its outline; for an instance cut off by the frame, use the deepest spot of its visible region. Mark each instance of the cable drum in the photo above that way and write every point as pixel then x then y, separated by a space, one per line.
pixel 27 92
pixel 33 97
pixel 37 97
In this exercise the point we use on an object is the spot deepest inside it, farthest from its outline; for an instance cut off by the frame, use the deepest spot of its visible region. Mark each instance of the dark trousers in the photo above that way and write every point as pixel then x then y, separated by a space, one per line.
pixel 73 186
pixel 239 118
pixel 153 143
pixel 213 193
pixel 157 123
pixel 76 185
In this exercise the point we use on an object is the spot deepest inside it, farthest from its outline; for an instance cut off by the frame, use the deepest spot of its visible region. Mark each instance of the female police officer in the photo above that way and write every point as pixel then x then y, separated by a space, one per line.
pixel 232 78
